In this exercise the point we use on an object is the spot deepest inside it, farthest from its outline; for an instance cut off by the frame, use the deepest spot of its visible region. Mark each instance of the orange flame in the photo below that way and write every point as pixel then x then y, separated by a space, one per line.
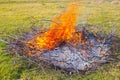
pixel 61 29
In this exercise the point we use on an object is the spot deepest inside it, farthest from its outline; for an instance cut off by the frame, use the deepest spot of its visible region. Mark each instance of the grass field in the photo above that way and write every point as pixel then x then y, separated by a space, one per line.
pixel 19 14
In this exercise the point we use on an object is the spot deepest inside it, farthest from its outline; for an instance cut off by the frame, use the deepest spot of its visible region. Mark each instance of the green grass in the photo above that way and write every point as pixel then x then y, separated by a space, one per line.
pixel 18 14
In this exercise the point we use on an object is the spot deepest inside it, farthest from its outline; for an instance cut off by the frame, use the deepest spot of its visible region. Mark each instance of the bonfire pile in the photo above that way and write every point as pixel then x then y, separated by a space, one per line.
pixel 62 45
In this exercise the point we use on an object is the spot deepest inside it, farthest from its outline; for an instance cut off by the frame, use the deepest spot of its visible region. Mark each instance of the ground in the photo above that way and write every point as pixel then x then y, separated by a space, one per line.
pixel 18 15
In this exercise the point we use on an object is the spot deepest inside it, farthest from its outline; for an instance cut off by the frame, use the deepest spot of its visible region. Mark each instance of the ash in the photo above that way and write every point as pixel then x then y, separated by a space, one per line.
pixel 74 59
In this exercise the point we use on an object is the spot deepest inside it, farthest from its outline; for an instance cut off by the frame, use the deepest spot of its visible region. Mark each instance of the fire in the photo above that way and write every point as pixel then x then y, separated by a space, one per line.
pixel 61 30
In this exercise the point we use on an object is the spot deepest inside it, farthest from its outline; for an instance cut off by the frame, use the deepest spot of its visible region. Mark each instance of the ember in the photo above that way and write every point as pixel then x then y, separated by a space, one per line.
pixel 64 46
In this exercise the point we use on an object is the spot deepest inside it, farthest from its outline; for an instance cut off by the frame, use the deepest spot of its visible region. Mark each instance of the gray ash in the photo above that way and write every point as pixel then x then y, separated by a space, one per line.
pixel 84 57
